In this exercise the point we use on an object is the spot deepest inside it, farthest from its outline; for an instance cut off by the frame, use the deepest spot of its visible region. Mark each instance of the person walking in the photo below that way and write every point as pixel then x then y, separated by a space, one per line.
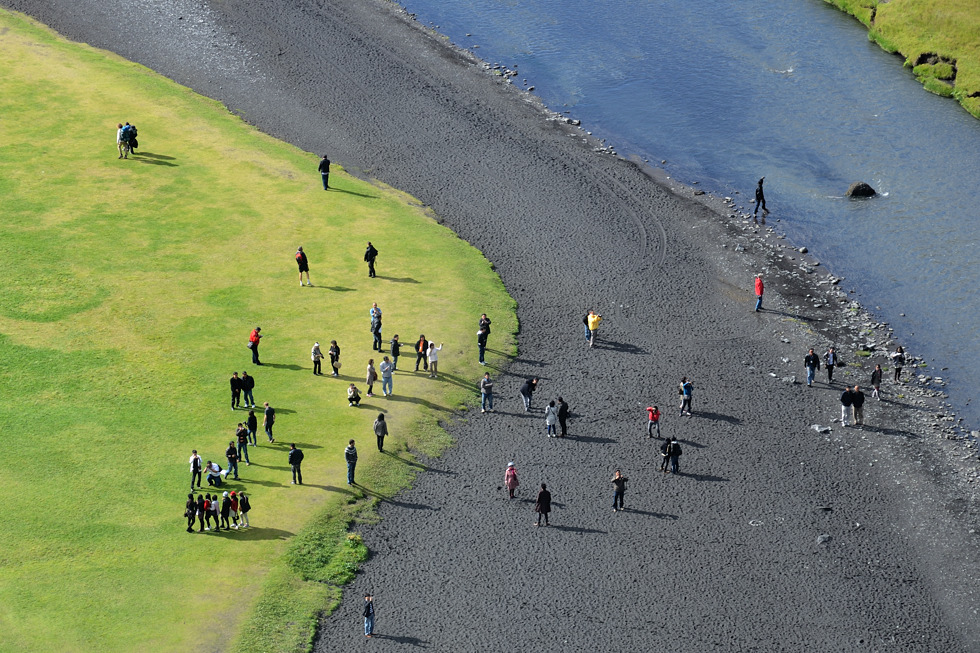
pixel 421 347
pixel 244 507
pixel 481 343
pixel 562 417
pixel 376 332
pixel 433 357
pixel 386 368
pixel 316 356
pixel 760 199
pixel 253 344
pixel 594 321
pixel 353 395
pixel 324 169
pixel 370 378
pixel 898 360
pixel 653 420
pixel 876 383
pixel 381 430
pixel 225 511
pixel 527 391
pixel 857 405
pixel 231 453
pixel 686 391
pixel 236 390
pixel 510 480
pixel 121 144
pixel 665 456
pixel 295 463
pixel 395 348
pixel 350 455
pixel 241 434
pixel 550 419
pixel 830 362
pixel 485 323
pixel 675 454
pixel 368 615
pixel 812 363
pixel 190 512
pixel 542 505
pixel 269 420
pixel 248 384
pixel 304 266
pixel 334 353
pixel 619 490
pixel 196 464
pixel 845 404
pixel 760 288
pixel 370 254
pixel 486 393
pixel 252 426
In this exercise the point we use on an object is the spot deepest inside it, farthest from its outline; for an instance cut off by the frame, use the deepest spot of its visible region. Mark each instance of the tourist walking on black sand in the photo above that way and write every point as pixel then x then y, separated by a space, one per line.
pixel 527 391
pixel 269 421
pixel 760 199
pixel 225 511
pixel 686 390
pixel 542 505
pixel 876 383
pixel 485 323
pixel 252 425
pixel 594 321
pixel 353 395
pixel 857 406
pixel 248 384
pixel 510 480
pixel 241 435
pixel 619 490
pixel 370 254
pixel 845 405
pixel 190 512
pixel 812 363
pixel 760 288
pixel 368 615
pixel 481 343
pixel 334 353
pixel 253 344
pixel 898 360
pixel 316 356
pixel 381 430
pixel 376 332
pixel 653 421
pixel 562 417
pixel 665 456
pixel 386 368
pixel 304 266
pixel 244 506
pixel 396 348
pixel 236 390
pixel 231 453
pixel 433 357
pixel 324 169
pixel 486 393
pixel 370 377
pixel 196 465
pixel 550 419
pixel 675 454
pixel 350 455
pixel 830 362
pixel 421 347
pixel 295 463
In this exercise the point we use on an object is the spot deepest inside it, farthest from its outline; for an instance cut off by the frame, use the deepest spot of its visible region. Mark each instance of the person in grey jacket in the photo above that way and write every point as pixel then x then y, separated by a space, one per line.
pixel 381 430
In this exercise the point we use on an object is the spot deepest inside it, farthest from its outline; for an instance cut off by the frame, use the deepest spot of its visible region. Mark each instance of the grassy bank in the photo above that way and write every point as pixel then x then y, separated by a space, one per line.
pixel 127 292
pixel 940 40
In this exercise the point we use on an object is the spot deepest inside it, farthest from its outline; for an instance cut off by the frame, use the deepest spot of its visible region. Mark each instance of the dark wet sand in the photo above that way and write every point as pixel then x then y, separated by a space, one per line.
pixel 721 557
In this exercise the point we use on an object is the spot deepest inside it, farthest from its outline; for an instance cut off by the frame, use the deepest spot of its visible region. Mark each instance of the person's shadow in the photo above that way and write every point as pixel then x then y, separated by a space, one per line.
pixel 154 159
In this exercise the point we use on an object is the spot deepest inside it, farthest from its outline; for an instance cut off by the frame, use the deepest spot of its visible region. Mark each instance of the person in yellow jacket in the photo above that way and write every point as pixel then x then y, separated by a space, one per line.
pixel 593 321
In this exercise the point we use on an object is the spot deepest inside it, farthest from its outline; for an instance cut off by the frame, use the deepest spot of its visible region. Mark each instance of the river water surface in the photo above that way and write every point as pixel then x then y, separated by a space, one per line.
pixel 728 92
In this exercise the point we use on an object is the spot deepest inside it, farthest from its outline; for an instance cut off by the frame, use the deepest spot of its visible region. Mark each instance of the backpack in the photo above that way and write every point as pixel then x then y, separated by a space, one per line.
pixel 127 133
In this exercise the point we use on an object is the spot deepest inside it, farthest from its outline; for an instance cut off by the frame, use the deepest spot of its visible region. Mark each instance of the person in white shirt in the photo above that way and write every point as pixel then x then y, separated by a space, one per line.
pixel 433 355
pixel 196 465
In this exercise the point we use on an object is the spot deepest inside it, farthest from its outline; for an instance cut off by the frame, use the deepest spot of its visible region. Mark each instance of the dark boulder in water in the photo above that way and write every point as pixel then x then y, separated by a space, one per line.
pixel 860 189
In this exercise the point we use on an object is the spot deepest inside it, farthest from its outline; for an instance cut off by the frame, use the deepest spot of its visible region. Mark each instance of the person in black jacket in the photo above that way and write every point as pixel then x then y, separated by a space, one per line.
pixel 485 323
pixel 812 363
pixel 376 331
pixel 760 198
pixel 619 489
pixel 334 353
pixel 369 255
pixel 421 347
pixel 295 461
pixel 304 266
pixel 481 343
pixel 190 512
pixel 562 417
pixel 876 382
pixel 248 384
pixel 665 456
pixel 527 391
pixel 252 425
pixel 845 405
pixel 542 505
pixel 236 390
pixel 232 455
pixel 396 348
pixel 350 456
pixel 241 434
pixel 324 169
pixel 857 405
pixel 368 615
pixel 225 511
pixel 675 453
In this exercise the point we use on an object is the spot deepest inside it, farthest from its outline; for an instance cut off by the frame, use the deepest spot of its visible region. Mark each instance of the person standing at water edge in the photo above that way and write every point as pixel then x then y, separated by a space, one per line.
pixel 386 382
pixel 295 463
pixel 304 266
pixel 812 363
pixel 381 430
pixel 248 384
pixel 898 360
pixel 236 390
pixel 370 254
pixel 876 382
pixel 486 393
pixel 759 289
pixel 324 169
pixel 269 420
pixel 196 464
pixel 542 505
pixel 350 456
pixel 619 489
pixel 830 362
pixel 368 615
pixel 253 342
pixel 760 199
pixel 316 356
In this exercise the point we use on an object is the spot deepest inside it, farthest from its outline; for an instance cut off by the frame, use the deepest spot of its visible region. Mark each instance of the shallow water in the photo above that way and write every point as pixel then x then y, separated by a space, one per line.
pixel 728 92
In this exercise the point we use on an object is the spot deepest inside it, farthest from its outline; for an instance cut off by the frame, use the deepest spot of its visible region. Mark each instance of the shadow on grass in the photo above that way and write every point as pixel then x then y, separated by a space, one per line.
pixel 334 488
pixel 282 366
pixel 155 156
pixel 351 192
pixel 399 279
pixel 153 162
pixel 254 533
pixel 335 288
pixel 420 401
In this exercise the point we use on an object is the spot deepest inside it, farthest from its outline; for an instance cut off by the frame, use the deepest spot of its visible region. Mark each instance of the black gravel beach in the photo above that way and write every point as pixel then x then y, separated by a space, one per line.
pixel 773 536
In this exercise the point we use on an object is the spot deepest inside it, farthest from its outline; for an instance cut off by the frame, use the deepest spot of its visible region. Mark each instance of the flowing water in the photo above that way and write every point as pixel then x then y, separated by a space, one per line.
pixel 728 92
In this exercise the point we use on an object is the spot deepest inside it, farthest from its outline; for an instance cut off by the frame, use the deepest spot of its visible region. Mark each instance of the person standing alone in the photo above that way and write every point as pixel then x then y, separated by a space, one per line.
pixel 196 464
pixel 830 362
pixel 542 505
pixel 269 420
pixel 370 254
pixel 759 289
pixel 368 615
pixel 619 490
pixel 324 169
pixel 304 266
pixel 381 430
pixel 593 324
pixel 295 463
pixel 653 421
pixel 350 456
pixel 486 393
pixel 562 417
pixel 760 199
pixel 253 344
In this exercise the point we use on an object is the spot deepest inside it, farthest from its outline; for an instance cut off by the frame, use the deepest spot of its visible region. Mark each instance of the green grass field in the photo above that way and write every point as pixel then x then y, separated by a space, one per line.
pixel 940 40
pixel 127 292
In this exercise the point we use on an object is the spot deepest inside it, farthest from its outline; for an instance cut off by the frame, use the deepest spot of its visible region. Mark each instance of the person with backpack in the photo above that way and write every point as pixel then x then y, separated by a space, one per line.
pixel 675 453
pixel 686 391
pixel 421 347
pixel 324 169
pixel 370 254
pixel 295 463
pixel 304 266
pixel 619 490
pixel 122 139
pixel 248 384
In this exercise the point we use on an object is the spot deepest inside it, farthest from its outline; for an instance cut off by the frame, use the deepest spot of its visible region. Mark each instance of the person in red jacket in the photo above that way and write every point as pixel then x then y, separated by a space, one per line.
pixel 759 289
pixel 253 340
pixel 653 413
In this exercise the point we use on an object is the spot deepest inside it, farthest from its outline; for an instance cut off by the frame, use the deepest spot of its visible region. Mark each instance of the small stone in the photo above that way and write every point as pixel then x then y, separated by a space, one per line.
pixel 860 189
pixel 803 250
pixel 823 539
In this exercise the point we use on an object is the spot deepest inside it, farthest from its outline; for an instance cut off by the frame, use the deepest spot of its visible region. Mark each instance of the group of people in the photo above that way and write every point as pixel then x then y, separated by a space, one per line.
pixel 232 507
pixel 126 141
pixel 852 399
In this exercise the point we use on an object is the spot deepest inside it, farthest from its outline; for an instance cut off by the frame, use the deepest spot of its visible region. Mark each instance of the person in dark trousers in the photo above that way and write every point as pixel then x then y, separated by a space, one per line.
pixel 370 254
pixel 196 465
pixel 353 395
pixel 245 506
pixel 812 364
pixel 527 391
pixel 675 453
pixel 830 362
pixel 190 512
pixel 665 456
pixel 845 405
pixel 225 511
pixel 376 332
pixel 619 490
pixel 295 463
pixel 485 323
pixel 334 353
pixel 381 430
pixel 234 509
pixel 562 417
pixel 481 343
pixel 368 615
pixel 269 421
pixel 486 393
pixel 324 169
pixel 686 391
pixel 252 425
pixel 421 348
pixel 304 266
pixel 202 510
pixel 760 199
pixel 316 356
pixel 231 453
pixel 898 360
pixel 760 288
pixel 542 505
pixel 350 455
pixel 248 384
pixel 876 383
pixel 253 342
pixel 857 405
pixel 242 436
pixel 236 390
pixel 396 348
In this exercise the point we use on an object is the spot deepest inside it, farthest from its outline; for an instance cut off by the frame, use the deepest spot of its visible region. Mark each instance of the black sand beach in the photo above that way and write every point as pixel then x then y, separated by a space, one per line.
pixel 731 554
